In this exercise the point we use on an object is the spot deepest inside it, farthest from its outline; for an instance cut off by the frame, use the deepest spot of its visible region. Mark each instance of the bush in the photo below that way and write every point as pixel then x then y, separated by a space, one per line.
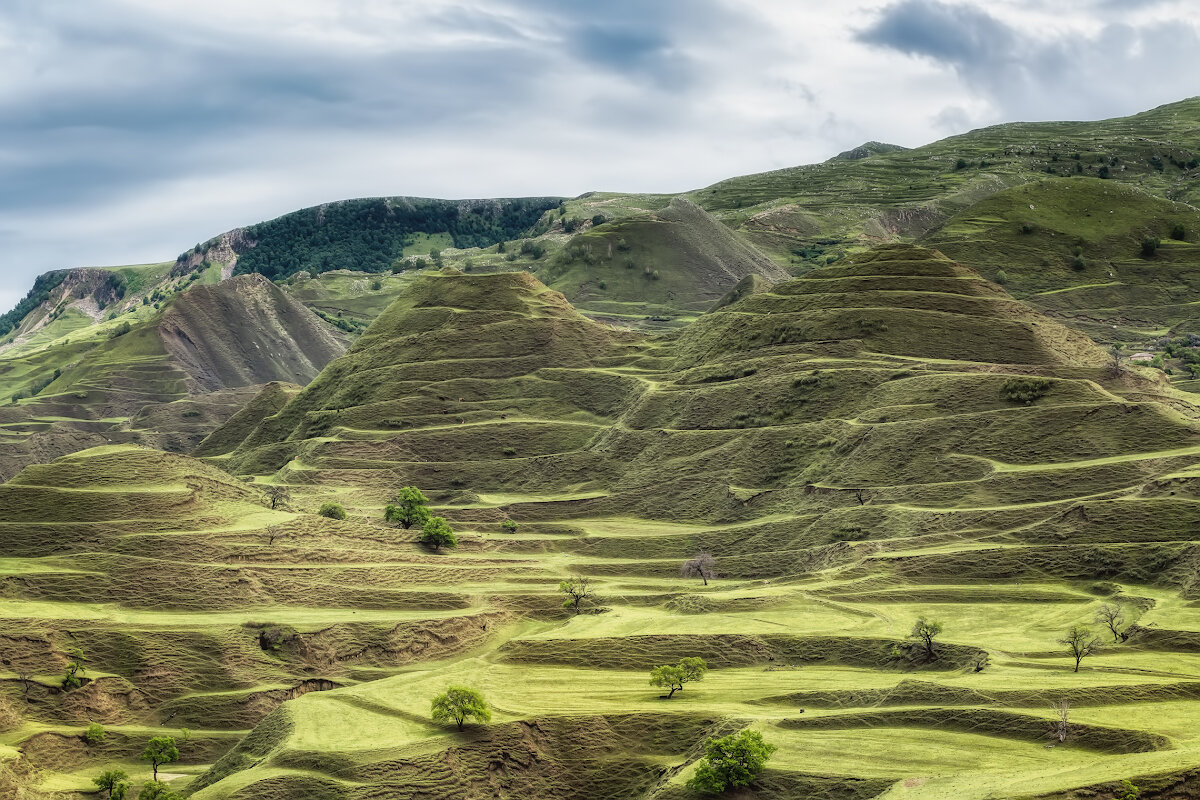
pixel 120 330
pixel 731 762
pixel 333 510
pixel 1026 228
pixel 1179 233
pixel 94 733
pixel 1078 263
pixel 376 286
pixel 1001 277
pixel 1024 390
pixel 960 164
pixel 508 526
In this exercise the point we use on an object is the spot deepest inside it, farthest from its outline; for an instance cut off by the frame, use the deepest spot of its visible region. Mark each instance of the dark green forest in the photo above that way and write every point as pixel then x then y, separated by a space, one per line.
pixel 370 234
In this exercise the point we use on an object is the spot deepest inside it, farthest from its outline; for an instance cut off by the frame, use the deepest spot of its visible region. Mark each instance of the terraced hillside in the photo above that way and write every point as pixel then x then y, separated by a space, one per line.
pixel 883 439
pixel 165 378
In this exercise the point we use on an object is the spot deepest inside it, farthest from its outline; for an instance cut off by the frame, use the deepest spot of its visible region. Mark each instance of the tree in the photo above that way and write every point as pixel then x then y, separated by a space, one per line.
pixel 75 667
pixel 160 750
pixel 277 496
pixel 1080 643
pixel 1062 722
pixel 508 526
pixel 113 782
pixel 578 590
pixel 410 507
pixel 157 790
pixel 459 702
pixel 731 762
pixel 438 534
pixel 702 565
pixel 1111 616
pixel 94 733
pixel 1128 791
pixel 1179 232
pixel 1114 352
pixel 924 631
pixel 1150 246
pixel 332 510
pixel 674 677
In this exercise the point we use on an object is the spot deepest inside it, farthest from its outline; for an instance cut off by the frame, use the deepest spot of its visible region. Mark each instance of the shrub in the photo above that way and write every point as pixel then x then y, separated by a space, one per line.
pixel 94 733
pixel 960 164
pixel 1001 277
pixel 1078 263
pixel 333 510
pixel 731 762
pixel 376 285
pixel 1179 233
pixel 508 451
pixel 1150 246
pixel 599 219
pixel 1024 390
pixel 508 526
pixel 1027 227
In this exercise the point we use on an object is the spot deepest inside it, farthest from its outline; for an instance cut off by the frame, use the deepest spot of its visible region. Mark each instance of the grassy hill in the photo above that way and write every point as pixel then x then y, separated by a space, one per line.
pixel 882 439
pixel 874 390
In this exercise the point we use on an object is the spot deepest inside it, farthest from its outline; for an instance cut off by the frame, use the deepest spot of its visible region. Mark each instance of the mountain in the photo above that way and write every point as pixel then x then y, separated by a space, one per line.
pixel 168 379
pixel 882 394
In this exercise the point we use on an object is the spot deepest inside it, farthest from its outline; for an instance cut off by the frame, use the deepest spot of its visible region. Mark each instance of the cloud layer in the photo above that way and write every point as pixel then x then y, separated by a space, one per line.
pixel 130 129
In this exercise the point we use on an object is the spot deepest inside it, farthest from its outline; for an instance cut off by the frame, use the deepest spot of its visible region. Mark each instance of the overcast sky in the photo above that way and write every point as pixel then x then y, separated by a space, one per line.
pixel 131 129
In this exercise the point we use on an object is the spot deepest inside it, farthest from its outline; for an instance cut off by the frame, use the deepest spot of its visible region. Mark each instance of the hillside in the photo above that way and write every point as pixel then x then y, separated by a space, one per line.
pixel 878 440
pixel 947 384
pixel 167 379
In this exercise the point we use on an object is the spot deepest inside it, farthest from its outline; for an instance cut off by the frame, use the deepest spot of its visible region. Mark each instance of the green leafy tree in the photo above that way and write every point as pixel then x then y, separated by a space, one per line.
pixel 578 590
pixel 160 750
pixel 670 677
pixel 113 782
pixel 157 790
pixel 1128 791
pixel 508 526
pixel 731 762
pixel 458 703
pixel 438 534
pixel 1080 643
pixel 94 733
pixel 75 668
pixel 410 507
pixel 925 631
pixel 332 510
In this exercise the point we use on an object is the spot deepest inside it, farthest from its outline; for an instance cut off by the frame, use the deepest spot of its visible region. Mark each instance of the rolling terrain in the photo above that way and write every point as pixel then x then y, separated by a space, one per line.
pixel 876 390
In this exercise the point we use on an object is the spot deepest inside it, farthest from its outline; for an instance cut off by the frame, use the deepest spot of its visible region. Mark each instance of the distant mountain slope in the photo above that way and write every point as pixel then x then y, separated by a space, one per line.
pixel 246 331
pixel 368 234
pixel 168 380
pixel 676 259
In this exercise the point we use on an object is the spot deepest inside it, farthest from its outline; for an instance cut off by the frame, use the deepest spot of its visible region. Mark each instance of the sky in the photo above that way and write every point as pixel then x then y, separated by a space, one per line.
pixel 130 130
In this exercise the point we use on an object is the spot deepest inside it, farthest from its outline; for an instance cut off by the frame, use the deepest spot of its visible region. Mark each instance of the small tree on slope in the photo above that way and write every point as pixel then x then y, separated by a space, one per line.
pixel 925 631
pixel 458 703
pixel 1111 617
pixel 702 565
pixel 160 750
pixel 578 591
pixel 1080 643
pixel 731 762
pixel 674 677
pixel 438 534
pixel 411 507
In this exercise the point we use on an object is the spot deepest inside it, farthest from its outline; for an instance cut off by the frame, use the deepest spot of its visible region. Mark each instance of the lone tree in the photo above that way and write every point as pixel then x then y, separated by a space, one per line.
pixel 578 590
pixel 674 677
pixel 113 782
pixel 1111 616
pixel 459 702
pixel 438 534
pixel 1062 721
pixel 509 526
pixel 1080 643
pixel 1114 351
pixel 410 507
pixel 332 510
pixel 731 762
pixel 75 667
pixel 160 750
pixel 702 566
pixel 277 496
pixel 925 631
